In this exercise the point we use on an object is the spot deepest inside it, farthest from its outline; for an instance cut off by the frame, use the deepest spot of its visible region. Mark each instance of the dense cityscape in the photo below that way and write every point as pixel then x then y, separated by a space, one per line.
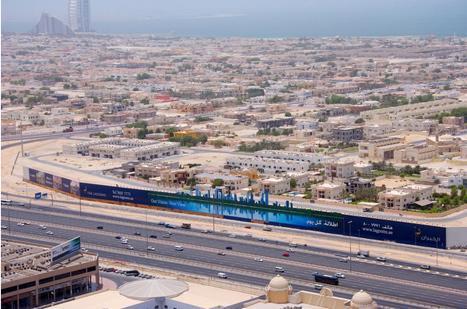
pixel 146 171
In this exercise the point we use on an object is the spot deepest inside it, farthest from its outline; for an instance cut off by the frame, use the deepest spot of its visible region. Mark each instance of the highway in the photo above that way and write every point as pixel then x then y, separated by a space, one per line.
pixel 390 282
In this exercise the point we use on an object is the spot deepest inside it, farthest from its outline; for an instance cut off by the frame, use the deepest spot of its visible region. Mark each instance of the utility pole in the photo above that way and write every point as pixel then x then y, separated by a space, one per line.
pixel 21 135
pixel 350 245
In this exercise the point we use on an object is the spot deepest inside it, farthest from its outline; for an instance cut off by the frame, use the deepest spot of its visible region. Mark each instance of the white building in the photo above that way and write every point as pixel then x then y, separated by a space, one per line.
pixel 266 165
pixel 275 185
pixel 309 157
pixel 232 182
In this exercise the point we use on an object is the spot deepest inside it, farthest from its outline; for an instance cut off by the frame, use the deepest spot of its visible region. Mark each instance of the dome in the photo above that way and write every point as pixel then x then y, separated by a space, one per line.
pixel 362 299
pixel 147 289
pixel 278 283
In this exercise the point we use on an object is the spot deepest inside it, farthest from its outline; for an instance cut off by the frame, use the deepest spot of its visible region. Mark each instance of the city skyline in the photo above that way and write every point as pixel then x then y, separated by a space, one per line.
pixel 79 18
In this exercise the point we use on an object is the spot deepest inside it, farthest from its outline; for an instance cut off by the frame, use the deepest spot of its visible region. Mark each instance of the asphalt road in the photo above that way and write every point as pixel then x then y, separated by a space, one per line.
pixel 201 256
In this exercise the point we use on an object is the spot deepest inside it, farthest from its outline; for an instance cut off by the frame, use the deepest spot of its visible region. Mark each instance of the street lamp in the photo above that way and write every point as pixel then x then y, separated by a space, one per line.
pixel 350 245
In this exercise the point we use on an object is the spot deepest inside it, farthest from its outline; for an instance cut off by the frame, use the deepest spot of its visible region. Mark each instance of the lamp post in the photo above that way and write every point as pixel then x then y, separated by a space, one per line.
pixel 350 245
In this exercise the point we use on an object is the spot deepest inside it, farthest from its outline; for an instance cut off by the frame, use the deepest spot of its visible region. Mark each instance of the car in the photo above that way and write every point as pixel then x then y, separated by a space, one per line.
pixel 222 275
pixel 286 254
pixel 257 259
pixel 232 235
pixel 137 233
pixel 84 250
pixel 100 227
pixel 124 241
pixel 150 248
pixel 118 237
pixel 247 227
pixel 205 231
pixel 279 269
pixel 152 236
pixel 318 287
pixel 248 235
pixel 4 227
pixel 262 239
pixel 339 275
pixel 20 224
pixel 228 248
pixel 381 258
pixel 110 269
pixel 361 256
pixel 27 223
pixel 343 260
pixel 293 245
pixel 424 266
pixel 161 223
pixel 169 226
pixel 49 233
pixel 166 236
pixel 178 248
pixel 267 229
pixel 291 250
pixel 130 247
pixel 221 253
pixel 42 227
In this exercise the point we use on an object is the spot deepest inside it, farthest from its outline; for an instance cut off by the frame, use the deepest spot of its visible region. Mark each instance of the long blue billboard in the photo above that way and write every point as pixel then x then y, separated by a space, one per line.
pixel 401 232
pixel 335 223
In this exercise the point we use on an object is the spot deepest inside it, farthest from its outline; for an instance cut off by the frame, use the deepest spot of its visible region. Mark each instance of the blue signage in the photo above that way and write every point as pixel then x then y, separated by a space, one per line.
pixel 38 195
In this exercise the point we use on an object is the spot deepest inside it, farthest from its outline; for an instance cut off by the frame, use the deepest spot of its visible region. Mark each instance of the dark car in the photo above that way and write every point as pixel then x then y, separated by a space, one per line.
pixel 137 233
pixel 427 267
pixel 152 236
pixel 118 237
pixel 169 226
pixel 286 254
pixel 228 248
pixel 100 227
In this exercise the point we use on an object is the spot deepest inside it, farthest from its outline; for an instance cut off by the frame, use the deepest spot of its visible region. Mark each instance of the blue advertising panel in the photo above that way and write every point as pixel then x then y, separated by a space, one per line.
pixel 66 249
pixel 33 175
pixel 66 185
pixel 48 180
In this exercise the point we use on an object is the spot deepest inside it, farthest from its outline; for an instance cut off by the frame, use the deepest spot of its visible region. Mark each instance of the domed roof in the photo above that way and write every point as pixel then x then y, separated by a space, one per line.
pixel 147 289
pixel 279 283
pixel 362 298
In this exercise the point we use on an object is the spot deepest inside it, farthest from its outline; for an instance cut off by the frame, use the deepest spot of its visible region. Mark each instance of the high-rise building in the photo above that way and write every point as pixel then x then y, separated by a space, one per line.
pixel 79 15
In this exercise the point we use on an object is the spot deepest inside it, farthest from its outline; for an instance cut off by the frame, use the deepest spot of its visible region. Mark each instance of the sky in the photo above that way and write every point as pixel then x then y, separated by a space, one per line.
pixel 254 17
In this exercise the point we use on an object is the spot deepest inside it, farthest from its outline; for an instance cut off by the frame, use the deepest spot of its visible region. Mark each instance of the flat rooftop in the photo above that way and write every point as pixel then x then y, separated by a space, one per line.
pixel 27 260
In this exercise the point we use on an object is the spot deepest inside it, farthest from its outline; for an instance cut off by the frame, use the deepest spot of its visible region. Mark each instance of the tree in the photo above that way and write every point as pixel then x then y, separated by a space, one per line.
pixel 218 182
pixel 145 101
pixel 293 183
pixel 191 182
pixel 142 76
pixel 288 114
pixel 453 191
pixel 359 120
pixel 142 134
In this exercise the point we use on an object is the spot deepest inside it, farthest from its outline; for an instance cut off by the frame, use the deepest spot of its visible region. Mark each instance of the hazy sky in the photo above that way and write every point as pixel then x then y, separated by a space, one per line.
pixel 307 16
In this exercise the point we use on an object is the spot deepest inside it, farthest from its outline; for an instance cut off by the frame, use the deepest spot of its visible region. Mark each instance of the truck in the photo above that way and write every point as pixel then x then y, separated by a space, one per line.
pixel 69 129
pixel 186 226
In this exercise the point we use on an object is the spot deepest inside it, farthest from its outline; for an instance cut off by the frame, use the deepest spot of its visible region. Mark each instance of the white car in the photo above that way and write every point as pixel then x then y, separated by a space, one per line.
pixel 150 248
pixel 381 258
pixel 222 275
pixel 291 250
pixel 232 235
pixel 20 224
pixel 279 269
pixel 49 233
pixel 124 241
pixel 292 244
pixel 318 287
pixel 130 247
pixel 4 227
pixel 84 250
pixel 340 275
pixel 257 259
pixel 178 248
pixel 43 227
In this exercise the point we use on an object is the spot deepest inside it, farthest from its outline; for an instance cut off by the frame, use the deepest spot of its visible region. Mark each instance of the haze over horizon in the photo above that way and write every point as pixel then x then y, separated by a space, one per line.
pixel 259 18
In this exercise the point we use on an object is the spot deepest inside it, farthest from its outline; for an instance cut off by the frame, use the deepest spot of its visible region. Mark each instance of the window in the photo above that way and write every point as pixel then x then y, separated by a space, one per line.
pixel 61 276
pixel 10 289
pixel 27 285
pixel 45 280
pixel 93 268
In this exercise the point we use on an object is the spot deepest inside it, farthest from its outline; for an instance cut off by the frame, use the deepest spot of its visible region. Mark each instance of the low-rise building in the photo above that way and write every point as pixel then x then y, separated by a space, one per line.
pixel 339 169
pixel 32 277
pixel 355 184
pixel 275 122
pixel 266 165
pixel 311 158
pixel 416 154
pixel 380 149
pixel 347 134
pixel 275 185
pixel 402 198
pixel 231 182
pixel 328 190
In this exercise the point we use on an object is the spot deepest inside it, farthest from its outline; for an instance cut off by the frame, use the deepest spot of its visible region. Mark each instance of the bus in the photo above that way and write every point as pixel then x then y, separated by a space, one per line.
pixel 328 279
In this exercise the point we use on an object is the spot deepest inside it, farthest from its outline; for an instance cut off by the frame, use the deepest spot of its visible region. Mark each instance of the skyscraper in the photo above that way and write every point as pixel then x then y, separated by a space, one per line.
pixel 79 12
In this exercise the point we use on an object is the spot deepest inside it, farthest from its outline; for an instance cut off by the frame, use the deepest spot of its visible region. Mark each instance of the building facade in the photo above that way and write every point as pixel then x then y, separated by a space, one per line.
pixel 79 15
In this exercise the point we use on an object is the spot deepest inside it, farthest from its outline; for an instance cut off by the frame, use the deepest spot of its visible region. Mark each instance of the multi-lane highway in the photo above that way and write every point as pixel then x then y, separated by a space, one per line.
pixel 391 283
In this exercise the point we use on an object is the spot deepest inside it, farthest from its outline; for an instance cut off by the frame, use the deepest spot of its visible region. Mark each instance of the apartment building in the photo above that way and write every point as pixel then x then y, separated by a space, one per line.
pixel 416 110
pixel 416 154
pixel 380 149
pixel 275 185
pixel 309 157
pixel 149 152
pixel 328 190
pixel 347 134
pixel 231 182
pixel 339 169
pixel 154 169
pixel 275 122
pixel 402 198
pixel 355 184
pixel 408 124
pixel 267 165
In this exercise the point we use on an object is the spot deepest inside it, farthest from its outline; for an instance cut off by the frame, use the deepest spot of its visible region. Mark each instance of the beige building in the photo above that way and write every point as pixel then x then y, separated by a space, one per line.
pixel 275 185
pixel 416 154
pixel 339 169
pixel 402 198
pixel 29 279
pixel 380 149
pixel 328 190
pixel 232 182
pixel 417 110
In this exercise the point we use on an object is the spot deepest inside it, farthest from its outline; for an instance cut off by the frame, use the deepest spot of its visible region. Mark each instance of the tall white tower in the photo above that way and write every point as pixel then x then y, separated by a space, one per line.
pixel 79 15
